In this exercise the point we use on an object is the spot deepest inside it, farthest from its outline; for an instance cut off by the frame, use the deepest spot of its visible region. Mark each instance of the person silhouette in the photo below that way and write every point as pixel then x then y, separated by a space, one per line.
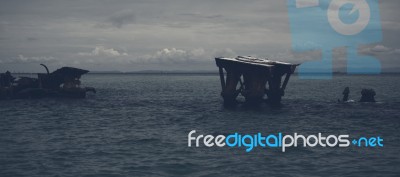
pixel 345 93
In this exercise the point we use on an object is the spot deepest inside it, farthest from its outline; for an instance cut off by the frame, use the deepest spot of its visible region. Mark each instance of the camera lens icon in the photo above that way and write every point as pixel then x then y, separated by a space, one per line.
pixel 334 13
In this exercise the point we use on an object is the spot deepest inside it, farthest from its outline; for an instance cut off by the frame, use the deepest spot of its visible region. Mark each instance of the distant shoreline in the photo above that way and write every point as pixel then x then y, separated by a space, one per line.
pixel 210 73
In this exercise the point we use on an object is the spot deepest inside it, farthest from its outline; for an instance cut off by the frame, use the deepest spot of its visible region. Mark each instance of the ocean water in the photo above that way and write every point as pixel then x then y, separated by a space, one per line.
pixel 137 125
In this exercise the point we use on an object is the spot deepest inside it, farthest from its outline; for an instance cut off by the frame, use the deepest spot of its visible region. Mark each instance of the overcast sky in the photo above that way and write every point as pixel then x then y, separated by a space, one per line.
pixel 132 35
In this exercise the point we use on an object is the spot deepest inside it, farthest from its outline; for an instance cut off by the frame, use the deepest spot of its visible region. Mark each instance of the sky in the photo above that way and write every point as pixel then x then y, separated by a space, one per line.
pixel 185 35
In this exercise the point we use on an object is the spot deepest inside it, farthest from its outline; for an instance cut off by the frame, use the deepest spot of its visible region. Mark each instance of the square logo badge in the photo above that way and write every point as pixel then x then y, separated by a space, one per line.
pixel 327 24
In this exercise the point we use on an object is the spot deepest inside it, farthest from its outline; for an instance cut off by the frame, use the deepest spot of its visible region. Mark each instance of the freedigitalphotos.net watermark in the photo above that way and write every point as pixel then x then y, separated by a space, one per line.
pixel 279 140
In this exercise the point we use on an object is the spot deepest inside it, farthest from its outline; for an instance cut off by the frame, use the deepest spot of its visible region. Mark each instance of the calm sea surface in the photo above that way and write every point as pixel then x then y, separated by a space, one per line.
pixel 137 125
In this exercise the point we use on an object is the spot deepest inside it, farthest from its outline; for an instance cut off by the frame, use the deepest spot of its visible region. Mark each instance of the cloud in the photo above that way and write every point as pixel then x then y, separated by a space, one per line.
pixel 147 27
pixel 35 59
pixel 378 50
pixel 173 55
pixel 103 51
pixel 224 53
pixel 168 55
pixel 122 18
pixel 305 3
pixel 162 57
pixel 390 25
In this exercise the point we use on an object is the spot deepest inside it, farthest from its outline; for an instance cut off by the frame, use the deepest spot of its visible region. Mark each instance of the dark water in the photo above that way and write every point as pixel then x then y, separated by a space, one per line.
pixel 137 125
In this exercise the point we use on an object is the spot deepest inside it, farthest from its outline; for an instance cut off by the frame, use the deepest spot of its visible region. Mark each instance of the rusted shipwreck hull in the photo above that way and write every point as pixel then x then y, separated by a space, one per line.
pixel 253 78
pixel 62 83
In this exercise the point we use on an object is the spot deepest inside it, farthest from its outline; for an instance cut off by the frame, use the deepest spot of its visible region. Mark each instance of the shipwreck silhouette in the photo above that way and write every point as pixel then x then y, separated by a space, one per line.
pixel 63 83
pixel 256 77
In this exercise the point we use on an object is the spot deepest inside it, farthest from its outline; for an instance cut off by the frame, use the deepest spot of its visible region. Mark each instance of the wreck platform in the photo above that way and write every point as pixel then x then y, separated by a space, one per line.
pixel 253 78
pixel 62 83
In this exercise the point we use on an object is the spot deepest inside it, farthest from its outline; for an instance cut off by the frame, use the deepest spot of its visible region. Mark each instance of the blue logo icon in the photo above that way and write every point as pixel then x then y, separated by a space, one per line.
pixel 327 24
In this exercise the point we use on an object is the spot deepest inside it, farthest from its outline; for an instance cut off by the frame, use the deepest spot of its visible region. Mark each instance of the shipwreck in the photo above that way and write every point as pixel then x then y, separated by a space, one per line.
pixel 258 80
pixel 64 82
